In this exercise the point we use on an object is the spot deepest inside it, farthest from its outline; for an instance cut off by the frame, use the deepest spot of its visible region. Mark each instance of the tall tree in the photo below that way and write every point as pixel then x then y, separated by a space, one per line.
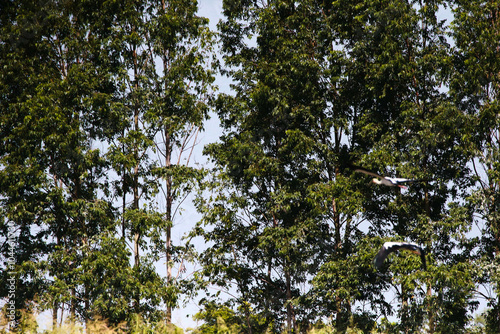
pixel 409 128
pixel 268 213
pixel 56 95
pixel 77 76
pixel 181 93
pixel 167 86
pixel 130 153
pixel 475 86
pixel 366 90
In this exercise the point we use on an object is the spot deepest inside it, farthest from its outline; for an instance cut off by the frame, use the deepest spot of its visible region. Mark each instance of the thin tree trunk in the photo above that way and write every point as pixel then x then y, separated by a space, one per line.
pixel 429 282
pixel 135 182
pixel 55 309
pixel 404 309
pixel 56 303
pixel 72 307
pixel 289 312
pixel 136 167
pixel 168 217
pixel 168 158
pixel 136 207
pixel 124 196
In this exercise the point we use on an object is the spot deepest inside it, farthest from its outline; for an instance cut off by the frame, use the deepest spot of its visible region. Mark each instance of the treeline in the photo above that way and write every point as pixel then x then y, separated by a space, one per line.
pixel 101 105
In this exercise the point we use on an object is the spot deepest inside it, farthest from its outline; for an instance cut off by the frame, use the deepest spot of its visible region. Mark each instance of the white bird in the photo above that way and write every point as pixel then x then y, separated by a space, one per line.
pixel 390 247
pixel 384 180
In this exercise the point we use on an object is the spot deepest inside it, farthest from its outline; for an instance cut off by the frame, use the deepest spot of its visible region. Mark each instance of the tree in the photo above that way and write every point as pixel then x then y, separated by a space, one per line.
pixel 475 89
pixel 82 95
pixel 167 81
pixel 183 42
pixel 410 128
pixel 56 91
pixel 267 216
pixel 314 94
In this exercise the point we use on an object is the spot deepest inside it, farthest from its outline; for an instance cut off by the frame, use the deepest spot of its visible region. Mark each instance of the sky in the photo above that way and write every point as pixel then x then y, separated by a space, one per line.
pixel 182 316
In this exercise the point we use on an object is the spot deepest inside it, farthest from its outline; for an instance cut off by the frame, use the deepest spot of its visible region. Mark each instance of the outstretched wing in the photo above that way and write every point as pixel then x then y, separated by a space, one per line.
pixel 381 256
pixel 390 247
pixel 400 180
pixel 386 249
pixel 366 171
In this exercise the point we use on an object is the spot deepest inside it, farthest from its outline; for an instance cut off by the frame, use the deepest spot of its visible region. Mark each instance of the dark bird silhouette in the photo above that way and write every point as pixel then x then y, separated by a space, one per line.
pixel 385 180
pixel 390 247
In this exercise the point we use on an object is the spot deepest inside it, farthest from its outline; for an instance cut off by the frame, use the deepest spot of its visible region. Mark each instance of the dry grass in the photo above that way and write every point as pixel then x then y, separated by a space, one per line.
pixel 29 325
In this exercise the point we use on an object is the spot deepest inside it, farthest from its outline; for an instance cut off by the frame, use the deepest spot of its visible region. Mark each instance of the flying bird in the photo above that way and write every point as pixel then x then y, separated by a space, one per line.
pixel 384 180
pixel 390 247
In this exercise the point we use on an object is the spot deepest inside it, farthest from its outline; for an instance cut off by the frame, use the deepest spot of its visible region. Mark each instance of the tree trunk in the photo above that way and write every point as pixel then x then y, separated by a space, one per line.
pixel 55 309
pixel 135 185
pixel 136 167
pixel 429 283
pixel 168 217
pixel 290 314
pixel 404 310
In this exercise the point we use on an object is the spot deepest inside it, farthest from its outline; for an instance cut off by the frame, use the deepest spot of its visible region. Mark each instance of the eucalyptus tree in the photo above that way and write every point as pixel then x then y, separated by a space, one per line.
pixel 475 86
pixel 75 77
pixel 182 87
pixel 130 153
pixel 276 205
pixel 56 91
pixel 403 124
pixel 166 86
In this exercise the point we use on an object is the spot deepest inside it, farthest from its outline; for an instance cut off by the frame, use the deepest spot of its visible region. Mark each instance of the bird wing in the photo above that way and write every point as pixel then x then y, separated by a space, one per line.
pixel 380 257
pixel 385 250
pixel 400 180
pixel 410 246
pixel 390 247
pixel 388 181
pixel 365 171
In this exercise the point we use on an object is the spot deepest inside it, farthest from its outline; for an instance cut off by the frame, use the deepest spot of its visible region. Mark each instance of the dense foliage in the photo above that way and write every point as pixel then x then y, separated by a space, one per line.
pixel 101 102
pixel 100 106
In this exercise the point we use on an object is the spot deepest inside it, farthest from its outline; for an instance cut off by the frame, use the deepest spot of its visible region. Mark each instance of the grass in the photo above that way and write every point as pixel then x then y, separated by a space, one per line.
pixel 29 325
